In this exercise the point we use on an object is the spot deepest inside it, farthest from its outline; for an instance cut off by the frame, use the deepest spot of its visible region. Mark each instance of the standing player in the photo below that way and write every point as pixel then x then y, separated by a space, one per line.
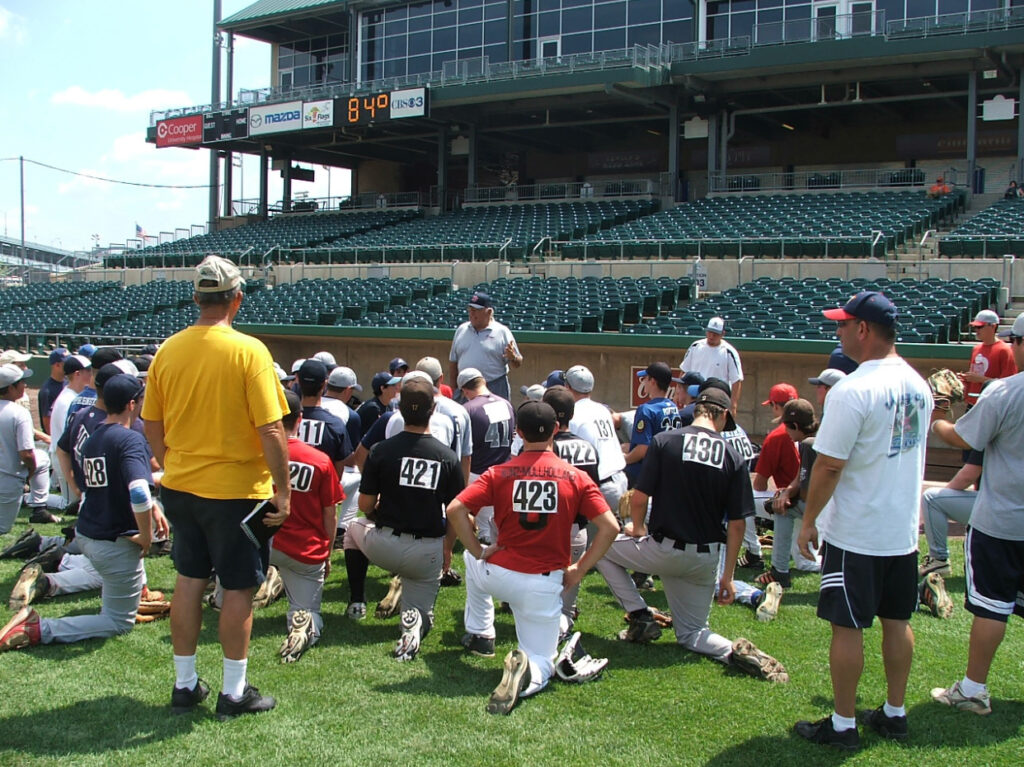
pixel 866 488
pixel 114 527
pixel 991 359
pixel 701 496
pixel 593 422
pixel 656 415
pixel 714 357
pixel 52 386
pixel 301 548
pixel 536 497
pixel 994 549
pixel 407 481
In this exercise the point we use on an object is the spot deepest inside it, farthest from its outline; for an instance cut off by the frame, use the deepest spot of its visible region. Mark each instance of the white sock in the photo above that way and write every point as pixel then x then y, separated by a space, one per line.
pixel 843 723
pixel 234 677
pixel 185 672
pixel 893 711
pixel 971 688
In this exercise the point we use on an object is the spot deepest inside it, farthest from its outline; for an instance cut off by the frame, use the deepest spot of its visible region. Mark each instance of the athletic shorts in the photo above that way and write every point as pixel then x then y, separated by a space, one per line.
pixel 208 537
pixel 995 576
pixel 857 587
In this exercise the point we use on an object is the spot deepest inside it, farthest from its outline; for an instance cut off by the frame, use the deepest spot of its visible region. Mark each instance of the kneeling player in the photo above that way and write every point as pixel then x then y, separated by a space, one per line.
pixel 536 498
pixel 301 549
pixel 115 526
pixel 407 481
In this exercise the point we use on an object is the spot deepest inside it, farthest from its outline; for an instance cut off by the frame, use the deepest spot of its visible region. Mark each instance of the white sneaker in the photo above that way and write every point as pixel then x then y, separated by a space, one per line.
pixel 409 643
pixel 356 611
pixel 953 696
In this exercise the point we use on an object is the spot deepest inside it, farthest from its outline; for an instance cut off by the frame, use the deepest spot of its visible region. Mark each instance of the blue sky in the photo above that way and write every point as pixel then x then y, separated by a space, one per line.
pixel 78 81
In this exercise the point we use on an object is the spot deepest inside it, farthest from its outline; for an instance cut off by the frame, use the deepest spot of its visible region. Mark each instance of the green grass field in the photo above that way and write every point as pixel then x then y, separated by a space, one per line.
pixel 348 702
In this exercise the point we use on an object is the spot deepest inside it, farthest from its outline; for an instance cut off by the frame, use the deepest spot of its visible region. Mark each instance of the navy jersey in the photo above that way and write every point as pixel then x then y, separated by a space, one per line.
pixel 82 425
pixel 112 457
pixel 86 399
pixel 323 430
pixel 493 424
pixel 652 418
pixel 377 432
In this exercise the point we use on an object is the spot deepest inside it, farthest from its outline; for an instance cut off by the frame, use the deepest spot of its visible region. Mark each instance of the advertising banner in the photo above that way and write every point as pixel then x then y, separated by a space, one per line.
pixel 318 114
pixel 638 391
pixel 409 103
pixel 180 131
pixel 275 118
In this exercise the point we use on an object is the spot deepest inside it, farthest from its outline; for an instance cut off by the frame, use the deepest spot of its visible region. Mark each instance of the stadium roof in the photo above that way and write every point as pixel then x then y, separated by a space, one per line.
pixel 263 16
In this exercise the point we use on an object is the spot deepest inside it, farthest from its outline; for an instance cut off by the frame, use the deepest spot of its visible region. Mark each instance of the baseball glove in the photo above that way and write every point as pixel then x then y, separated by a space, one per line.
pixel 946 388
pixel 151 609
pixel 623 510
pixel 573 664
pixel 662 619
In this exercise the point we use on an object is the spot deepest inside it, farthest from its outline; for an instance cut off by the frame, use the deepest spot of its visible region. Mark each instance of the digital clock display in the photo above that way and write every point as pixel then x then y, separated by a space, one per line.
pixel 383 107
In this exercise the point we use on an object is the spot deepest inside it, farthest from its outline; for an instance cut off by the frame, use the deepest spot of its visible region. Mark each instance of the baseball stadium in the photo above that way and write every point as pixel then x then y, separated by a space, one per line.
pixel 614 180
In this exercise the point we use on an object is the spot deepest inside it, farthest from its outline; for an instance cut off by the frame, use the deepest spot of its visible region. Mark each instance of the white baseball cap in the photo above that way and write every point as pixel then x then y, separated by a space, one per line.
pixel 11 374
pixel 468 374
pixel 716 325
pixel 327 358
pixel 13 355
pixel 1017 330
pixel 342 378
pixel 579 378
pixel 985 317
pixel 827 377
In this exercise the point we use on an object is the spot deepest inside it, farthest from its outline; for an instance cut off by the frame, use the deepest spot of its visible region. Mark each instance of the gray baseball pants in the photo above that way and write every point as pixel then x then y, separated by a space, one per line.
pixel 939 505
pixel 304 586
pixel 120 566
pixel 417 560
pixel 689 579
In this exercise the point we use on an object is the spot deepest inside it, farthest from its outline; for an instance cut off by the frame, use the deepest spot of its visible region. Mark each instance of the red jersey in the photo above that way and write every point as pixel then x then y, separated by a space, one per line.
pixel 992 361
pixel 779 458
pixel 315 486
pixel 536 497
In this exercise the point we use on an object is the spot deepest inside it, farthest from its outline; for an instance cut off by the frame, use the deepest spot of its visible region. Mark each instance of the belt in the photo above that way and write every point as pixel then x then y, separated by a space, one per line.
pixel 396 532
pixel 701 548
pixel 610 478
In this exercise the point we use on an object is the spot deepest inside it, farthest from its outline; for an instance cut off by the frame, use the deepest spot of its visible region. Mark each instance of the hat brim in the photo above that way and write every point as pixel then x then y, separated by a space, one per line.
pixel 1008 333
pixel 730 422
pixel 976 324
pixel 838 314
pixel 816 382
pixel 478 306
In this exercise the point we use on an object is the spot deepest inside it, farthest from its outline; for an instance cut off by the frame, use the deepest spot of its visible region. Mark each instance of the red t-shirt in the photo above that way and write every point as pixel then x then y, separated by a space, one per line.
pixel 445 390
pixel 992 361
pixel 315 486
pixel 779 458
pixel 536 497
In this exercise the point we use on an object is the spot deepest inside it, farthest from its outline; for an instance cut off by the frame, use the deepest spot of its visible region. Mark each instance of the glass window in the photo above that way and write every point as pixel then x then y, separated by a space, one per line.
pixel 471 34
pixel 769 16
pixel 396 28
pixel 495 32
pixel 677 31
pixel 447 19
pixel 609 15
pixel 575 3
pixel 300 76
pixel 577 20
pixel 798 12
pixel 467 15
pixel 718 27
pixel 549 5
pixel 609 39
pixel 419 23
pixel 741 5
pixel 439 60
pixel 549 24
pixel 917 8
pixel 580 43
pixel 398 12
pixel 643 11
pixel 394 47
pixel 742 24
pixel 418 64
pixel 673 9
pixel 419 9
pixel 496 52
pixel 285 62
pixel 394 68
pixel 954 6
pixel 769 3
pixel 645 34
pixel 495 10
pixel 419 43
pixel 444 39
pixel 893 8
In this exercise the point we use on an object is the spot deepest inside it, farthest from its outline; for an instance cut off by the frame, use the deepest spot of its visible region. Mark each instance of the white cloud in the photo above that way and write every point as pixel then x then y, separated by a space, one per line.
pixel 116 101
pixel 12 26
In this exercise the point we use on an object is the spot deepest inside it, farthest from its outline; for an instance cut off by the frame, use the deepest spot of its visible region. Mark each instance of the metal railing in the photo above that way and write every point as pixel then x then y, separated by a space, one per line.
pixel 841 27
pixel 573 190
pixel 850 178
pixel 717 247
pixel 957 23
pixel 386 254
pixel 333 204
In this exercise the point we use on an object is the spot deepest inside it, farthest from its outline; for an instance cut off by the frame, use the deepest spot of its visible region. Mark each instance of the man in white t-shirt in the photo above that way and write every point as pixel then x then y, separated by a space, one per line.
pixel 593 422
pixel 78 373
pixel 864 494
pixel 714 357
pixel 994 549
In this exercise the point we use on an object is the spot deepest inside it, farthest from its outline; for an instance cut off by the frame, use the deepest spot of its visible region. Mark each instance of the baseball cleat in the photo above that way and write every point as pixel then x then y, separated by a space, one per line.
pixel 478 645
pixel 40 516
pixel 356 610
pixel 392 601
pixel 513 681
pixel 891 727
pixel 642 627
pixel 300 637
pixel 823 733
pixel 574 664
pixel 27 544
pixel 932 593
pixel 643 582
pixel 451 578
pixel 746 657
pixel 749 560
pixel 49 558
pixel 32 584
pixel 769 607
pixel 932 565
pixel 270 590
pixel 773 576
pixel 184 700
pixel 953 696
pixel 251 702
pixel 21 631
pixel 409 642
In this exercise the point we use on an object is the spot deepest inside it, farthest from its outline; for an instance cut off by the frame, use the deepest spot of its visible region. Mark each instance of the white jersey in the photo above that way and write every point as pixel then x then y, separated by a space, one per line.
pixel 592 421
pixel 337 407
pixel 722 361
pixel 876 421
pixel 449 424
pixel 59 416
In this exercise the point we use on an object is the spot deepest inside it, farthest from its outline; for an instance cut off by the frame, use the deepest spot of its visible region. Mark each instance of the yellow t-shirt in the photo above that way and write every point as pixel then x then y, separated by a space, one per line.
pixel 212 387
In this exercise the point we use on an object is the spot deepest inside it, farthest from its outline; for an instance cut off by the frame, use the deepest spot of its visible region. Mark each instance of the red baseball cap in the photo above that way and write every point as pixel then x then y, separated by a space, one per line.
pixel 781 393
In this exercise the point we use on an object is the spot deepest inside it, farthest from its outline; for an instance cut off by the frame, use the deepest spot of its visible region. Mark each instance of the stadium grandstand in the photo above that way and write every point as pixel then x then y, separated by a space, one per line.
pixel 30 261
pixel 614 172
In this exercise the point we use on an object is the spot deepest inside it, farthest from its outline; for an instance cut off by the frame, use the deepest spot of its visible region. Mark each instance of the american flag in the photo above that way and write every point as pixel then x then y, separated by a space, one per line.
pixel 140 232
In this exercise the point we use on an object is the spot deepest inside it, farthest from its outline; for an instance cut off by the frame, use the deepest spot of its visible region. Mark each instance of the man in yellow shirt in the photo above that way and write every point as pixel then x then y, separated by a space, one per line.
pixel 212 413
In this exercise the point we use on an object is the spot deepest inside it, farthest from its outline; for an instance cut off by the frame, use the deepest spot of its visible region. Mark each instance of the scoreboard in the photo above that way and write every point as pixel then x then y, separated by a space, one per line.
pixel 224 126
pixel 384 106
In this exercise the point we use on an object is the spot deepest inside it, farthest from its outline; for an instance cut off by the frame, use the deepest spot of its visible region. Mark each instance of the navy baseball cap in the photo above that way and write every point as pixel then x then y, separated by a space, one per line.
pixel 712 395
pixel 382 379
pixel 396 364
pixel 59 355
pixel 838 360
pixel 869 306
pixel 659 371
pixel 312 372
pixel 692 381
pixel 481 300
pixel 120 390
pixel 536 420
pixel 76 362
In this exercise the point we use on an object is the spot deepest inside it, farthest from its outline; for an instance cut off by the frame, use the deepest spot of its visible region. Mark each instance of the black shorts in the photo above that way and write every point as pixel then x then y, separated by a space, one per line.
pixel 857 587
pixel 995 576
pixel 207 537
